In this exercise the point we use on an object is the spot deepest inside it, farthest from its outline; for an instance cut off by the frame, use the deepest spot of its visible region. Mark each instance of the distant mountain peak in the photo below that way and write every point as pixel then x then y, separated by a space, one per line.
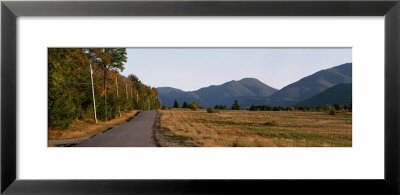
pixel 249 79
pixel 252 91
pixel 219 94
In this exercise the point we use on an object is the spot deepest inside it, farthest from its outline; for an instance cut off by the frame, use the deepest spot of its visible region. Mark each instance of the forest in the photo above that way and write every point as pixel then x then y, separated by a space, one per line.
pixel 85 83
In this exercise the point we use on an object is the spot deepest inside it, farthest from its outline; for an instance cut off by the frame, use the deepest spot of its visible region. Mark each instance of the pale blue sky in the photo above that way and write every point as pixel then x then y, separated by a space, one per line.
pixel 189 69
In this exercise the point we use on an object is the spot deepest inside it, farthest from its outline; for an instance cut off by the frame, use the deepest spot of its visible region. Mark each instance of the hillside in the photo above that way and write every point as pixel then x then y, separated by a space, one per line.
pixel 242 90
pixel 252 91
pixel 312 85
pixel 339 94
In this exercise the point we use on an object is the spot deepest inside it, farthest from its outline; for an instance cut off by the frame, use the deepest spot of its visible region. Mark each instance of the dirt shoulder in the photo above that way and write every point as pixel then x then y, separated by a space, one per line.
pixel 83 130
pixel 159 138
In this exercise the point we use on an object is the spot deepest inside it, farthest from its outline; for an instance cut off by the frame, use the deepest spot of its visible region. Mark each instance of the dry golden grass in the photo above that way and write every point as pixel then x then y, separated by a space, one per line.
pixel 80 128
pixel 257 128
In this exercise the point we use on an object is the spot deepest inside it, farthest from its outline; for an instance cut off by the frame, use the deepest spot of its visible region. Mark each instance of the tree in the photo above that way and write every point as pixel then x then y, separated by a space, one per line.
pixel 194 106
pixel 210 110
pixel 236 105
pixel 337 106
pixel 176 105
pixel 69 81
pixel 328 107
pixel 70 95
pixel 185 105
pixel 108 59
pixel 220 107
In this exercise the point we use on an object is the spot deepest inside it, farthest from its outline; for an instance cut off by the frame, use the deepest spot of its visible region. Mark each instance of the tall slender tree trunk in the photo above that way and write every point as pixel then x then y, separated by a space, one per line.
pixel 119 107
pixel 105 90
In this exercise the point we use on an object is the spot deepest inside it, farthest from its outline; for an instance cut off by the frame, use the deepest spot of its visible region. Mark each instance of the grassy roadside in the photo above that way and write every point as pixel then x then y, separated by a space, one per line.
pixel 257 128
pixel 86 128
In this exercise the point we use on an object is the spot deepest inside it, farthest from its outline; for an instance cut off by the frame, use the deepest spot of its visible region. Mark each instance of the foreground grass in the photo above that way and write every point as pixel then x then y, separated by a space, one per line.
pixel 87 128
pixel 257 128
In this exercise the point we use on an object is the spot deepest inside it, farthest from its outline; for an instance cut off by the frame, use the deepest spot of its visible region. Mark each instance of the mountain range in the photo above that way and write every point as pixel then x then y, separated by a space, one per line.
pixel 250 91
pixel 339 94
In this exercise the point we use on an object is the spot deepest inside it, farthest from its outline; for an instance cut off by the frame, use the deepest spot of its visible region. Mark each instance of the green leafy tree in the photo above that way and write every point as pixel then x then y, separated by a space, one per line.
pixel 68 75
pixel 70 95
pixel 210 110
pixel 236 105
pixel 108 59
pixel 194 106
pixel 220 107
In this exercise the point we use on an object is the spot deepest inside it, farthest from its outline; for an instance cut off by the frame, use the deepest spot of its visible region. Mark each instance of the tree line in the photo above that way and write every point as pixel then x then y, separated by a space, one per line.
pixel 236 106
pixel 337 107
pixel 70 92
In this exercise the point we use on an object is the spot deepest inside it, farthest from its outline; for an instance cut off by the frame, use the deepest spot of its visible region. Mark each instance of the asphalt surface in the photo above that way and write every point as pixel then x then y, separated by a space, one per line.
pixel 135 133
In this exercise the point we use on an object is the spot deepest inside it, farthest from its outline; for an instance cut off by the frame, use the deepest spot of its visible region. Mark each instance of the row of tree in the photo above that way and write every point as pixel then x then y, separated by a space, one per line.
pixel 191 105
pixel 194 105
pixel 347 107
pixel 236 106
pixel 85 83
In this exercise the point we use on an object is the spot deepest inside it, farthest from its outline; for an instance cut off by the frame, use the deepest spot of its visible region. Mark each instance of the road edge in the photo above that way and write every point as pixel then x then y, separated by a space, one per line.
pixel 158 137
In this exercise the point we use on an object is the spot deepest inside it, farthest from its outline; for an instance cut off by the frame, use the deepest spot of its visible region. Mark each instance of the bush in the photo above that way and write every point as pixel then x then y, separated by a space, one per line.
pixel 194 106
pixel 271 123
pixel 332 112
pixel 260 108
pixel 328 107
pixel 220 107
pixel 210 110
pixel 164 107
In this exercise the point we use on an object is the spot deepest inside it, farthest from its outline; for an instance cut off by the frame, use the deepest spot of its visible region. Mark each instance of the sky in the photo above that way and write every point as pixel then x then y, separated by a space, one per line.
pixel 190 69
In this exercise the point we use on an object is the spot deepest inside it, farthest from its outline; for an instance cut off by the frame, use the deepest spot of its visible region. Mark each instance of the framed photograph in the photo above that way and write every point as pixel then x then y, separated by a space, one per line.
pixel 199 97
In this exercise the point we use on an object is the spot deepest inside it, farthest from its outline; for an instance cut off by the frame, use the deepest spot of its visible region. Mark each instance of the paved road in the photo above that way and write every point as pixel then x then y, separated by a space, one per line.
pixel 134 133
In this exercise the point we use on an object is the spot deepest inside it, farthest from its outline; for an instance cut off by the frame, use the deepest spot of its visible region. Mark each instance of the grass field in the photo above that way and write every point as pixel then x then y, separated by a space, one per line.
pixel 230 128
pixel 81 128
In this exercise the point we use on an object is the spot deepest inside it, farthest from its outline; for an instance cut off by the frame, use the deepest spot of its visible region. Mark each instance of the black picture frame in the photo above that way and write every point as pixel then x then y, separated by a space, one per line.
pixel 10 10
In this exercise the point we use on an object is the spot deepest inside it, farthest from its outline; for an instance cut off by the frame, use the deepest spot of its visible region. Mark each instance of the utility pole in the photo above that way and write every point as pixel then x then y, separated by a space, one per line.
pixel 149 101
pixel 126 90
pixel 94 101
pixel 131 94
pixel 116 84
pixel 131 100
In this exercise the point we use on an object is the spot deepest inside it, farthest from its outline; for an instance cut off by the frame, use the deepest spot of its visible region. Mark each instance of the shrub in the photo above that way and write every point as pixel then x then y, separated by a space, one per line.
pixel 164 107
pixel 210 110
pixel 194 106
pixel 220 107
pixel 260 108
pixel 332 112
pixel 337 107
pixel 328 107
